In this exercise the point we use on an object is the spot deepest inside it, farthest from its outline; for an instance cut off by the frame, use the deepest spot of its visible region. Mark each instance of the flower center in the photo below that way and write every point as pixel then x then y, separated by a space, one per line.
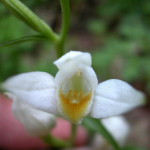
pixel 75 96
pixel 74 104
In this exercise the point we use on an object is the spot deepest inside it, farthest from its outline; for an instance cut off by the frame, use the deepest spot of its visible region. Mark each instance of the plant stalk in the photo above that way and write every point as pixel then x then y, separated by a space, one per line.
pixel 60 43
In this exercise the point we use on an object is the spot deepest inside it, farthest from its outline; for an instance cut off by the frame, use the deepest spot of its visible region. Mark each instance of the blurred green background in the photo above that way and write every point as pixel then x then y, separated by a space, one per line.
pixel 115 32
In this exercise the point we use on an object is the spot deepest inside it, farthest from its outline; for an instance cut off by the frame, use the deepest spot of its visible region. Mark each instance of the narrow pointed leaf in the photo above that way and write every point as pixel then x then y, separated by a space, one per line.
pixel 23 39
pixel 96 126
pixel 23 13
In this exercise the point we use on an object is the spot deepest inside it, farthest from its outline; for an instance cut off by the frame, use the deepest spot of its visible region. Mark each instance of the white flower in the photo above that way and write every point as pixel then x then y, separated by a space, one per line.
pixel 75 92
pixel 118 127
pixel 36 122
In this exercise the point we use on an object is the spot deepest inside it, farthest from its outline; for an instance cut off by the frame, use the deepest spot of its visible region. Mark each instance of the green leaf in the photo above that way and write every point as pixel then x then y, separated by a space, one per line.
pixel 24 39
pixel 95 125
pixel 23 13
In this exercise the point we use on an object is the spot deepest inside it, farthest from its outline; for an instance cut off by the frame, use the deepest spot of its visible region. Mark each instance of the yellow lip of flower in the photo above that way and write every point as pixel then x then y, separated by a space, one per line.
pixel 74 104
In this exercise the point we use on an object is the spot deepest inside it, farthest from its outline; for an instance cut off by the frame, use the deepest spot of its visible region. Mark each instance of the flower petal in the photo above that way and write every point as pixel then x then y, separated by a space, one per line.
pixel 69 100
pixel 71 69
pixel 74 56
pixel 114 97
pixel 34 88
pixel 36 122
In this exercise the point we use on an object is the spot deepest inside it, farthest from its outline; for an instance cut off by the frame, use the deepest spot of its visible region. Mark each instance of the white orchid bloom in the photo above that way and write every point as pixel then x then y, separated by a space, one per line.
pixel 118 127
pixel 36 122
pixel 75 92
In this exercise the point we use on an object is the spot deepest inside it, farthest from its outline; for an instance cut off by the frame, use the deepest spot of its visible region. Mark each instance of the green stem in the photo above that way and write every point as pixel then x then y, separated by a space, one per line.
pixel 73 134
pixel 54 142
pixel 23 13
pixel 65 25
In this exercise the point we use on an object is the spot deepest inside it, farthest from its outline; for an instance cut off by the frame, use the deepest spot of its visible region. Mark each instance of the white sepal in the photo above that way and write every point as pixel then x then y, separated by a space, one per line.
pixel 34 88
pixel 74 56
pixel 66 73
pixel 36 122
pixel 114 97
